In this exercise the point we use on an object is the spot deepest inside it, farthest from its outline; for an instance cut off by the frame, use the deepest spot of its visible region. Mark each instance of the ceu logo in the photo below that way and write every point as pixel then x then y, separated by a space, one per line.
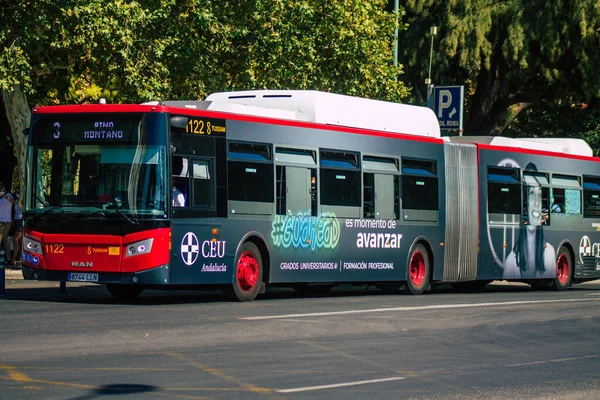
pixel 189 248
pixel 213 249
pixel 585 248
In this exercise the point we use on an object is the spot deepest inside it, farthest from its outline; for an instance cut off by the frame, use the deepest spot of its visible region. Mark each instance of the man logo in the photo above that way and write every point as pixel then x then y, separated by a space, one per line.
pixel 189 248
pixel 585 248
pixel 82 264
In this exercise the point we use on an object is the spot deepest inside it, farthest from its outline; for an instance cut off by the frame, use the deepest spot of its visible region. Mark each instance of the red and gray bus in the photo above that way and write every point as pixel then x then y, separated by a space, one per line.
pixel 301 189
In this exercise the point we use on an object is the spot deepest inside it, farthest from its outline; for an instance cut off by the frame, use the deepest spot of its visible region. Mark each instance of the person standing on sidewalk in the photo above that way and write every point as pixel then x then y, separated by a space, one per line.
pixel 16 231
pixel 6 203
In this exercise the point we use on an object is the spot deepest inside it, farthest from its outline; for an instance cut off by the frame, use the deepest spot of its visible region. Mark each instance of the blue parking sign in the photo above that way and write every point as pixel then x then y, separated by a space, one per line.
pixel 448 106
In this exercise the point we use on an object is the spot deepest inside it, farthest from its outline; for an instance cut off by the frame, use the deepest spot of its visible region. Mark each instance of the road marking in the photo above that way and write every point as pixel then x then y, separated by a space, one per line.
pixel 218 373
pixel 14 374
pixel 551 361
pixel 592 294
pixel 416 308
pixel 337 385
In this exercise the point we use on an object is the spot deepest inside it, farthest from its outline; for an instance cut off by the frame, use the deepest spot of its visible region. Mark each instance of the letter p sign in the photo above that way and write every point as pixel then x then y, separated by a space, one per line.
pixel 444 101
pixel 449 98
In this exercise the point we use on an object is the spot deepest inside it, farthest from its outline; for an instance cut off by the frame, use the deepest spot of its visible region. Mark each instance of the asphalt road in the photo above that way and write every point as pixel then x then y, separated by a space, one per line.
pixel 506 343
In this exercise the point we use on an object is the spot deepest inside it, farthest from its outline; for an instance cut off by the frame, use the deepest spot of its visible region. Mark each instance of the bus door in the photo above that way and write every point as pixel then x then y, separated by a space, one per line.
pixel 380 188
pixel 297 189
pixel 384 196
pixel 197 249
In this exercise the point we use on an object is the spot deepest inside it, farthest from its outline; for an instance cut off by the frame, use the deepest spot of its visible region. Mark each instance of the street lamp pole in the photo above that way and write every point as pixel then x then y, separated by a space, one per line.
pixel 396 7
pixel 432 33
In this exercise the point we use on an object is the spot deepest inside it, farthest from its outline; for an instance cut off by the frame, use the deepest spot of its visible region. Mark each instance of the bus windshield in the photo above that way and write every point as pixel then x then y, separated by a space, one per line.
pixel 108 162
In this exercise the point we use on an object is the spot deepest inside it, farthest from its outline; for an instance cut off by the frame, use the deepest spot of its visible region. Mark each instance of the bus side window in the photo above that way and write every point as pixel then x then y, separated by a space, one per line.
pixel 419 185
pixel 340 181
pixel 566 195
pixel 503 190
pixel 368 195
pixel 558 201
pixel 591 197
pixel 180 183
pixel 296 184
pixel 250 172
pixel 202 184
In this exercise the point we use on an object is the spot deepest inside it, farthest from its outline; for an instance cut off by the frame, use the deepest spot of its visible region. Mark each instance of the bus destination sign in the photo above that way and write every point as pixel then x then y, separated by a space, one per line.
pixel 95 129
pixel 205 126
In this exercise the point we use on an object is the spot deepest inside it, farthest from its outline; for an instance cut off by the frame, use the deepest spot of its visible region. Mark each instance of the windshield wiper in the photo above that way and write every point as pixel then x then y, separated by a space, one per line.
pixel 44 203
pixel 46 210
pixel 133 221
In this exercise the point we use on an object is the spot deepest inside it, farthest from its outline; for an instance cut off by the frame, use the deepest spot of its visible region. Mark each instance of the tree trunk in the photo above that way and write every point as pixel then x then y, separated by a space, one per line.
pixel 482 102
pixel 19 115
pixel 502 115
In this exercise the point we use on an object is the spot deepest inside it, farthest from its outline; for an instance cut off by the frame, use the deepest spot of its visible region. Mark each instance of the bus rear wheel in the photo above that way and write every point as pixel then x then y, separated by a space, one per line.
pixel 564 270
pixel 124 292
pixel 418 271
pixel 248 274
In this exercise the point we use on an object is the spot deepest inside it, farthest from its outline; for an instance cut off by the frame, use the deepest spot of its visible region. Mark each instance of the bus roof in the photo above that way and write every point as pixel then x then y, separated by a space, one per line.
pixel 570 146
pixel 330 109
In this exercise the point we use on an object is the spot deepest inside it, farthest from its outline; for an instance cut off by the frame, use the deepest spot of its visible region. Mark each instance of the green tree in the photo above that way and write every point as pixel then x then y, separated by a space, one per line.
pixel 564 120
pixel 510 54
pixel 77 51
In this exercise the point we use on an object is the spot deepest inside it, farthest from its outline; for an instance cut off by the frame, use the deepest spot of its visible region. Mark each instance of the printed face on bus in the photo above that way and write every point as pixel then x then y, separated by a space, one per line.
pixel 534 205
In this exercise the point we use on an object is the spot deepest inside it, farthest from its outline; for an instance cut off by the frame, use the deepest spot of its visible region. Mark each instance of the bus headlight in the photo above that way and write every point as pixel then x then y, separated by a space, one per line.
pixel 33 246
pixel 141 247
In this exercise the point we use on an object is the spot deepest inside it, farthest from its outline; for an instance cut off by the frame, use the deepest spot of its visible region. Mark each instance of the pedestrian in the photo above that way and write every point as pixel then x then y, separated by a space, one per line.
pixel 17 228
pixel 178 197
pixel 6 206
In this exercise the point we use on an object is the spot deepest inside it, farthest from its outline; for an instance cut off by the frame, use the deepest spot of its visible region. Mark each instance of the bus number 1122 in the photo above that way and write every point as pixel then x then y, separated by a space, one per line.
pixel 198 127
pixel 54 248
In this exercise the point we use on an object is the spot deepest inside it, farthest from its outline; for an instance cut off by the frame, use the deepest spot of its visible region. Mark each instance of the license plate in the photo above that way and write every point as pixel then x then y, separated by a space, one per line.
pixel 80 277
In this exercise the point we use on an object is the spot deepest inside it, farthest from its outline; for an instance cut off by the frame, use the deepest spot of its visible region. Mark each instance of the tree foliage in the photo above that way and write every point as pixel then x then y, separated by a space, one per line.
pixel 76 50
pixel 509 54
pixel 549 119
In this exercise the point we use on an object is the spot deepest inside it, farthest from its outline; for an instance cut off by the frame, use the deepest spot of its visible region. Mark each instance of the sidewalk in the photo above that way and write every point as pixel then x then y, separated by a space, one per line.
pixel 12 273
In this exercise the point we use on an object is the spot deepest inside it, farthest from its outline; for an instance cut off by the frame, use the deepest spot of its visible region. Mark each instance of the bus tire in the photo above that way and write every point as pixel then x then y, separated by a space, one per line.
pixel 248 274
pixel 124 292
pixel 564 270
pixel 418 270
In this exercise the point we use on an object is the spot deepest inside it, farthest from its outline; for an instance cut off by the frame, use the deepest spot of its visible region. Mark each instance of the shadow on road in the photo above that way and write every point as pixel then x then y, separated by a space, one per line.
pixel 117 389
pixel 97 294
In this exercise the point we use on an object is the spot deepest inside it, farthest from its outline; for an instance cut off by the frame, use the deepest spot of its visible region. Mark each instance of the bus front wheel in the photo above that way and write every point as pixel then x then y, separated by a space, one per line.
pixel 564 270
pixel 418 270
pixel 248 274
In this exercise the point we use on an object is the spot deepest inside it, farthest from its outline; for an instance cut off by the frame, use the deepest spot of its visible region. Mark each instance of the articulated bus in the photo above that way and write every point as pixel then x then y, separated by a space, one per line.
pixel 302 189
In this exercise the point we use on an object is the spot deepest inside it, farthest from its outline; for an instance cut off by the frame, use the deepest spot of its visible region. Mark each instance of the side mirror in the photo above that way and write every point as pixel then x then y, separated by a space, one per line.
pixel 26 131
pixel 179 122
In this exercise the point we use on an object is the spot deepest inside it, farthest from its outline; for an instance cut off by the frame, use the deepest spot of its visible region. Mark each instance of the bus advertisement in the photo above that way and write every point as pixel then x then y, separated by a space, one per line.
pixel 301 189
